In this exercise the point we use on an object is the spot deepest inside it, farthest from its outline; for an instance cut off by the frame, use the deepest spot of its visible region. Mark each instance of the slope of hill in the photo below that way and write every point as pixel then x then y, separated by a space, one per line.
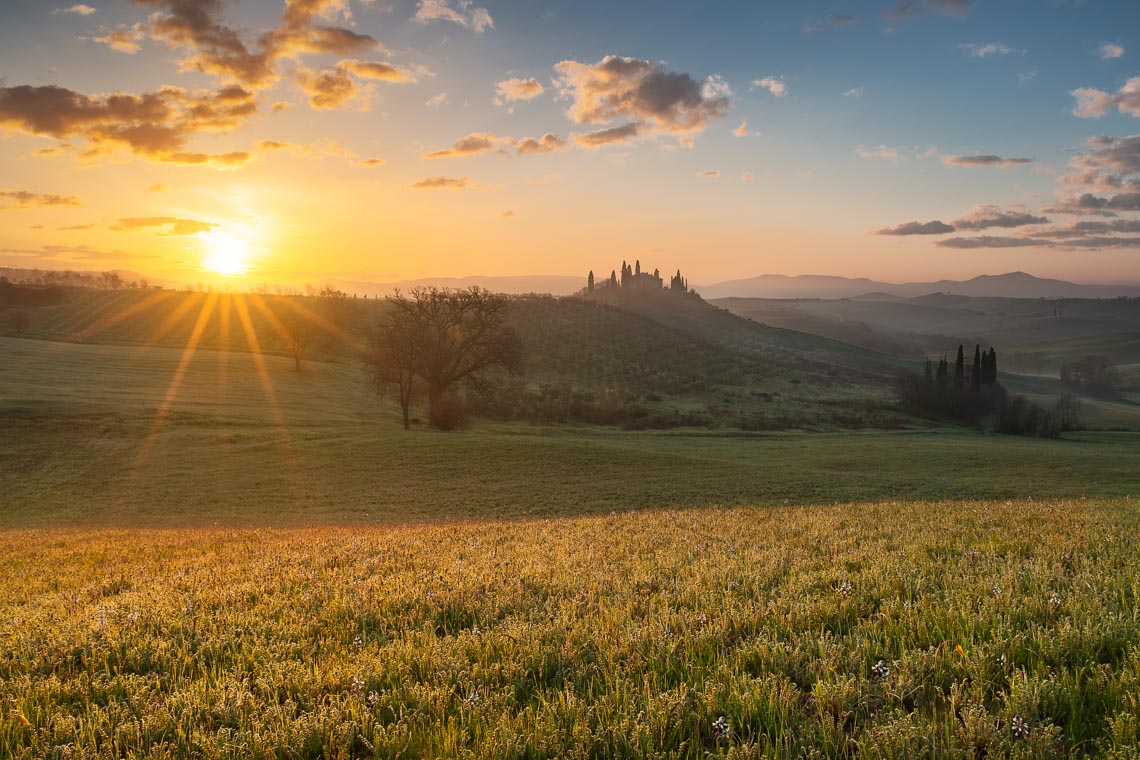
pixel 1009 285
pixel 650 362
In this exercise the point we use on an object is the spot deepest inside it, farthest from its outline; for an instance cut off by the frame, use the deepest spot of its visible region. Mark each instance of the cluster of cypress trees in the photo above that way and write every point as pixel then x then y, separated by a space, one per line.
pixel 982 373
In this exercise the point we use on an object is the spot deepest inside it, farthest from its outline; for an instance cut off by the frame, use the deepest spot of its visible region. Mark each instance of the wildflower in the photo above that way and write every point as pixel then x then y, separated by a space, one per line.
pixel 1001 661
pixel 358 641
pixel 358 684
pixel 1054 602
pixel 722 728
pixel 845 588
pixel 880 672
pixel 1020 728
pixel 373 699
pixel 473 697
pixel 996 590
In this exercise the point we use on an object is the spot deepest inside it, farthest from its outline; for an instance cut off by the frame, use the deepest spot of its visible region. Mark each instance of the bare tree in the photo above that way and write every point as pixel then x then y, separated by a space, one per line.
pixel 19 320
pixel 329 315
pixel 443 339
pixel 390 363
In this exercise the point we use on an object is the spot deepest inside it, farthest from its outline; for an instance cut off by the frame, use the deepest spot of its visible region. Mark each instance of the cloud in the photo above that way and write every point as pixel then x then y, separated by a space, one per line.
pixel 895 153
pixel 508 215
pixel 543 180
pixel 435 101
pixel 744 131
pixel 747 176
pixel 517 89
pixel 370 163
pixel 597 139
pixel 125 39
pixel 646 96
pixel 984 216
pixel 376 70
pixel 1109 50
pixel 442 183
pixel 11 200
pixel 1109 165
pixel 79 10
pixel 987 49
pixel 999 162
pixel 1083 204
pixel 156 125
pixel 990 241
pixel 1085 229
pixel 333 87
pixel 774 85
pixel 854 92
pixel 907 8
pixel 462 12
pixel 219 50
pixel 548 143
pixel 917 228
pixel 710 174
pixel 73 253
pixel 214 48
pixel 476 142
pixel 1093 103
pixel 329 88
pixel 166 226
pixel 75 227
pixel 158 188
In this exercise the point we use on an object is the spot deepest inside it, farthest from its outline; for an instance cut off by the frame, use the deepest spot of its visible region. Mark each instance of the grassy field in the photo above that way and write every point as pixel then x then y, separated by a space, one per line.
pixel 204 553
pixel 119 435
pixel 966 629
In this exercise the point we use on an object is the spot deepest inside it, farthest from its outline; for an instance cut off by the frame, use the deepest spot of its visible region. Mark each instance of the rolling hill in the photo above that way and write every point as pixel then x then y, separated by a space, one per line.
pixel 1009 285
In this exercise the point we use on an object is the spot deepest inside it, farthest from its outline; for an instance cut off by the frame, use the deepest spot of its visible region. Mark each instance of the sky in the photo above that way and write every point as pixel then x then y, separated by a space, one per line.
pixel 263 141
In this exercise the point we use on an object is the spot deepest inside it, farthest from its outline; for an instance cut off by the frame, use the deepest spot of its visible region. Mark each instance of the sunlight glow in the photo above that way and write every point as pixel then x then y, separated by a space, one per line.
pixel 228 255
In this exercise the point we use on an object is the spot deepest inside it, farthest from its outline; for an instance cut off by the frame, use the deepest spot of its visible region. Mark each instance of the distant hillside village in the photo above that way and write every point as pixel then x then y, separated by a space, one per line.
pixel 632 277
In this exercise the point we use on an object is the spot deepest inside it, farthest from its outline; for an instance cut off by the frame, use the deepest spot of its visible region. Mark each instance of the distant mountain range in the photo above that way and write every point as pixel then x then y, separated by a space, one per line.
pixel 1010 285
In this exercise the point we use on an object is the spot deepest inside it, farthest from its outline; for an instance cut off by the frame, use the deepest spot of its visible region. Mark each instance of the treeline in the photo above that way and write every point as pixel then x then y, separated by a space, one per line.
pixel 976 397
pixel 1094 375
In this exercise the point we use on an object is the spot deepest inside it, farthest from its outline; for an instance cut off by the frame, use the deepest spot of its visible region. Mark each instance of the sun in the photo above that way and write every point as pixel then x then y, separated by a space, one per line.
pixel 228 256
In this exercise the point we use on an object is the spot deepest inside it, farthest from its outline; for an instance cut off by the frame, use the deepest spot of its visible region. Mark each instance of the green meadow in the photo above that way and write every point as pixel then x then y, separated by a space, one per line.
pixel 204 553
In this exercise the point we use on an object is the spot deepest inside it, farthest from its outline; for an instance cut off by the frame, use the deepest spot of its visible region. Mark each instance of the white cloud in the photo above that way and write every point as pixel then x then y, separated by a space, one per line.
pixel 79 10
pixel 774 85
pixel 744 131
pixel 854 92
pixel 986 49
pixel 460 12
pixel 1093 103
pixel 517 89
pixel 1109 50
pixel 435 101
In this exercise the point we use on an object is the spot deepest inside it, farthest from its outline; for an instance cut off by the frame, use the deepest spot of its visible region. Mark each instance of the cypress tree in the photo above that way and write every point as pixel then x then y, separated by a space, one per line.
pixel 590 282
pixel 993 365
pixel 976 371
pixel 960 367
